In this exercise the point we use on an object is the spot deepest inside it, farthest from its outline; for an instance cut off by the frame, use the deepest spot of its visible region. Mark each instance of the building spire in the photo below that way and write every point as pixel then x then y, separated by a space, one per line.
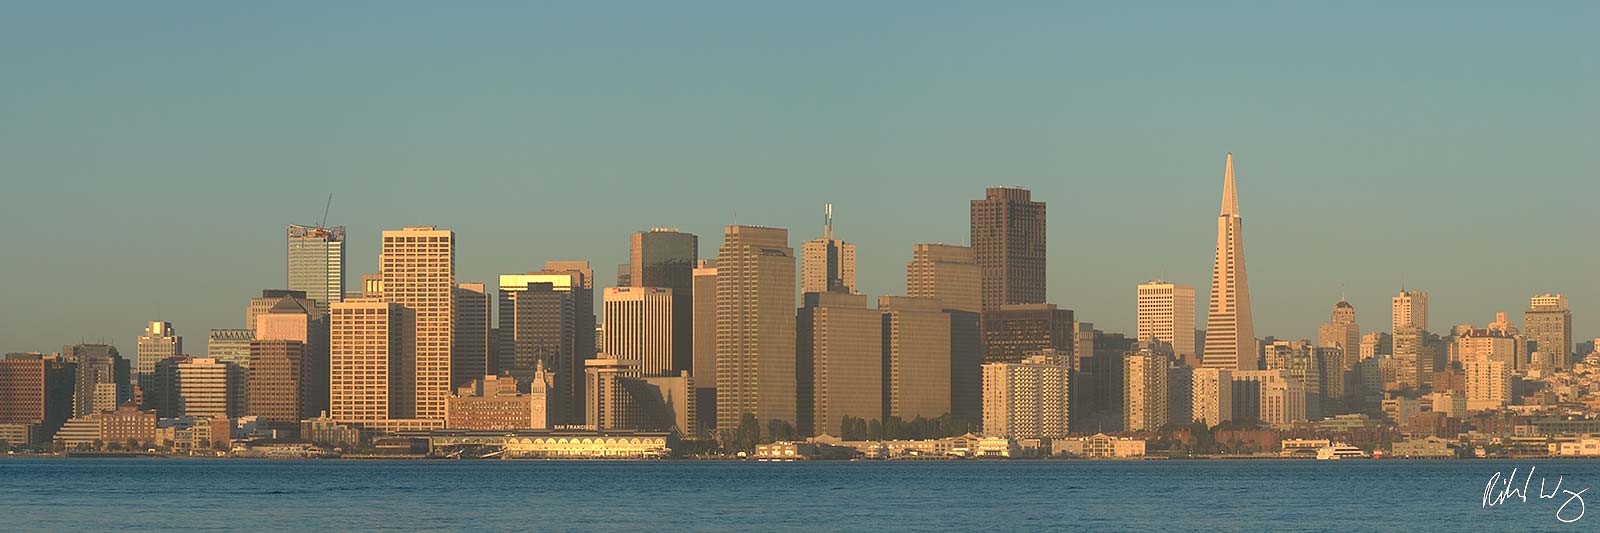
pixel 827 221
pixel 1230 196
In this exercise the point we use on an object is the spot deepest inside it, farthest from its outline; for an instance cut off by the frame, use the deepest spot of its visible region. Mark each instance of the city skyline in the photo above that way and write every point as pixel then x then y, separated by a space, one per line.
pixel 1390 132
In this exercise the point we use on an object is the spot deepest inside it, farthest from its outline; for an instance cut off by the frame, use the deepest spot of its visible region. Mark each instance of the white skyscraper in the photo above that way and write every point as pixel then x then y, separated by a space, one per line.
pixel 1410 310
pixel 316 263
pixel 1230 330
pixel 638 328
pixel 1166 314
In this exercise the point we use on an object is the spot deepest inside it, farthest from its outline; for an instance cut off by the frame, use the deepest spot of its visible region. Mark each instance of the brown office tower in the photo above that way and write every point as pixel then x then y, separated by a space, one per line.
pixel 563 338
pixel 419 273
pixel 755 326
pixel 1012 332
pixel 280 383
pixel 35 391
pixel 1008 235
pixel 951 275
pixel 705 342
pixel 469 359
pixel 296 319
pixel 916 357
pixel 839 362
pixel 370 340
pixel 665 258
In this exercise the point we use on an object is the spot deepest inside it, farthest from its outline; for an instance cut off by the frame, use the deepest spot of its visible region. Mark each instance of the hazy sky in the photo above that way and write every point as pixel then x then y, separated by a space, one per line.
pixel 153 153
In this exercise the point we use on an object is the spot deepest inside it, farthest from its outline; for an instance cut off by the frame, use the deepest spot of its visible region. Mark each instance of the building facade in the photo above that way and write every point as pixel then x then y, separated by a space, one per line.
pixel 1230 326
pixel 1166 314
pixel 1008 240
pixel 755 326
pixel 828 264
pixel 316 263
pixel 418 267
pixel 1548 326
pixel 639 328
pixel 371 339
pixel 839 361
pixel 1026 400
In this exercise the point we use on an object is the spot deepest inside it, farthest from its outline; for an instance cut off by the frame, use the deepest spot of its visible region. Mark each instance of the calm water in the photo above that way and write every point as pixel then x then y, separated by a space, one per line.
pixel 170 494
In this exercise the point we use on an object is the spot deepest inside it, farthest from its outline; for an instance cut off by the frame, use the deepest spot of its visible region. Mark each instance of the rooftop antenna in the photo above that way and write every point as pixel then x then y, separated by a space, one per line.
pixel 827 222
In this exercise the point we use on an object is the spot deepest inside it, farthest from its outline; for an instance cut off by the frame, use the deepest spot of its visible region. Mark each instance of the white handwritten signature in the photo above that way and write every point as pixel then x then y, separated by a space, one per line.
pixel 1499 490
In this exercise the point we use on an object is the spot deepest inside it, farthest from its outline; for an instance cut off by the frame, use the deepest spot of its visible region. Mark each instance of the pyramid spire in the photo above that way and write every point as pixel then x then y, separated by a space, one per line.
pixel 1230 196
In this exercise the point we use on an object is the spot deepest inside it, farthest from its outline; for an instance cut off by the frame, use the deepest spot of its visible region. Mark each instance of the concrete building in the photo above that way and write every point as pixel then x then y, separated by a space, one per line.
pixel 1098 446
pixel 1144 391
pixel 1230 327
pixel 1268 396
pixel 35 391
pixel 561 337
pixel 282 386
pixel 418 267
pixel 1010 332
pixel 1341 331
pixel 916 356
pixel 1409 310
pixel 1212 395
pixel 103 378
pixel 316 263
pixel 1485 345
pixel 1548 326
pixel 159 342
pixel 828 264
pixel 639 328
pixel 704 368
pixel 665 258
pixel 1166 314
pixel 948 273
pixel 469 357
pixel 501 403
pixel 1026 400
pixel 1488 384
pixel 271 299
pixel 370 344
pixel 839 357
pixel 208 388
pixel 755 326
pixel 1376 343
pixel 1008 238
pixel 230 346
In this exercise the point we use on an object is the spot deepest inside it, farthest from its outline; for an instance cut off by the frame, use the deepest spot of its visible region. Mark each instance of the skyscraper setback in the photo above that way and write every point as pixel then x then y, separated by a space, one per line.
pixel 418 267
pixel 828 264
pixel 1230 329
pixel 316 263
pixel 1008 236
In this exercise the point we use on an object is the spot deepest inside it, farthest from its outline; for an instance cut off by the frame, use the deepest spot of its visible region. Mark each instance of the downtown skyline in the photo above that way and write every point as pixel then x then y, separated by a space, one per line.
pixel 1379 168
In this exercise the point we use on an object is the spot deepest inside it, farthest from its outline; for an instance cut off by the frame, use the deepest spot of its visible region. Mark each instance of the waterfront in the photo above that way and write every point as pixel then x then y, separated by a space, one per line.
pixel 100 494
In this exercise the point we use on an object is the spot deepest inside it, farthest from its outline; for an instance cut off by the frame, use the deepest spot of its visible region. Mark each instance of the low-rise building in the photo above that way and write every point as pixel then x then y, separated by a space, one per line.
pixel 556 444
pixel 1098 446
pixel 1423 448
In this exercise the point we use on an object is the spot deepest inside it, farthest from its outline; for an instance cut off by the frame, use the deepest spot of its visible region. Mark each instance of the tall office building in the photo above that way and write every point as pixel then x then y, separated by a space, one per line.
pixel 1230 328
pixel 916 356
pixel 280 384
pixel 1409 309
pixel 554 324
pixel 1027 399
pixel 369 342
pixel 1548 325
pixel 230 345
pixel 1144 391
pixel 1212 395
pixel 755 326
pixel 316 263
pixel 948 273
pixel 1341 331
pixel 271 298
pixel 159 341
pixel 102 378
pixel 36 392
pixel 1011 332
pixel 638 328
pixel 1166 314
pixel 299 320
pixel 208 388
pixel 1008 237
pixel 828 264
pixel 704 368
pixel 665 258
pixel 418 267
pixel 469 359
pixel 839 362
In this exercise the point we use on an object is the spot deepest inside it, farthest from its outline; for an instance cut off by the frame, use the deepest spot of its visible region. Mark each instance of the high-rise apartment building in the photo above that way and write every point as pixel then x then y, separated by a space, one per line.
pixel 639 328
pixel 1212 395
pixel 1409 309
pixel 704 368
pixel 159 341
pixel 469 358
pixel 839 362
pixel 1008 238
pixel 948 273
pixel 1027 399
pixel 1230 327
pixel 828 264
pixel 418 267
pixel 316 263
pixel 755 326
pixel 665 258
pixel 1548 325
pixel 1011 332
pixel 1166 314
pixel 916 356
pixel 1488 384
pixel 1144 391
pixel 370 340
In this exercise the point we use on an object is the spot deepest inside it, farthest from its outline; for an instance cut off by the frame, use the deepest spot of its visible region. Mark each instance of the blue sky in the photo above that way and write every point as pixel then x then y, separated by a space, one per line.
pixel 154 152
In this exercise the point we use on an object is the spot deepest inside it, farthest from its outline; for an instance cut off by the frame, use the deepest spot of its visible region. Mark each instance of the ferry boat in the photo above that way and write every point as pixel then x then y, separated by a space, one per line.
pixel 1337 451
